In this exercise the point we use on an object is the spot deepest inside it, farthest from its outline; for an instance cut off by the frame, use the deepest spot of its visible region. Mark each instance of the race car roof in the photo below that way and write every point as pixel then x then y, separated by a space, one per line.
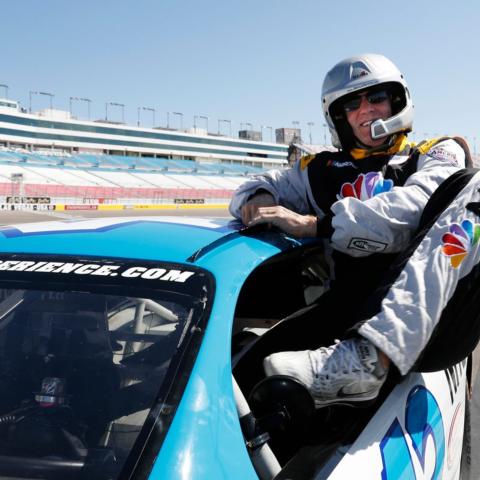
pixel 175 239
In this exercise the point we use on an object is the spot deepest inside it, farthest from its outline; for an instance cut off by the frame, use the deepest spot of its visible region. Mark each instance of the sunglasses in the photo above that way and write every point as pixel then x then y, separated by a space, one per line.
pixel 373 98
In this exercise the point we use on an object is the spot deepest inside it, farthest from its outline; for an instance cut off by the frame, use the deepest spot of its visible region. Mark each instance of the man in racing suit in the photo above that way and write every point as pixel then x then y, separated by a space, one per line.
pixel 403 270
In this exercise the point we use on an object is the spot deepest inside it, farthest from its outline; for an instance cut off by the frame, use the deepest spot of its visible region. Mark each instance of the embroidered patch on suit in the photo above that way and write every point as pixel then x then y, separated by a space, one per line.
pixel 459 241
pixel 365 186
pixel 444 155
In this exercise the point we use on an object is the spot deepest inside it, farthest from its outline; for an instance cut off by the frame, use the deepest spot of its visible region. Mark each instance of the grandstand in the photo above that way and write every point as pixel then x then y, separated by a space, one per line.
pixel 52 157
pixel 39 177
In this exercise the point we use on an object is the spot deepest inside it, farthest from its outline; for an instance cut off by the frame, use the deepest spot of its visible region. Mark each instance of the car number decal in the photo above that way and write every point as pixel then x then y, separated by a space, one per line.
pixel 423 419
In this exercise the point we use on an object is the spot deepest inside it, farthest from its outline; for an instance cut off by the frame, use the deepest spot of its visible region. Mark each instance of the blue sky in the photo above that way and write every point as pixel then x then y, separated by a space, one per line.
pixel 255 61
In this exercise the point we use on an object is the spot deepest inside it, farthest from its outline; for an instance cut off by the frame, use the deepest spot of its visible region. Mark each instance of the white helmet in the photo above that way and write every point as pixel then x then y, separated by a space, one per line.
pixel 353 75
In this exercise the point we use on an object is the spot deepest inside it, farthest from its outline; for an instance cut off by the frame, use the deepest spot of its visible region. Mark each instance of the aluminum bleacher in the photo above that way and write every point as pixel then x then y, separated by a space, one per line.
pixel 160 180
pixel 90 177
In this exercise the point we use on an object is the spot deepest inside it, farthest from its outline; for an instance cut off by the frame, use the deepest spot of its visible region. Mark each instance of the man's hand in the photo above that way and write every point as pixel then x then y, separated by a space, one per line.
pixel 290 222
pixel 249 210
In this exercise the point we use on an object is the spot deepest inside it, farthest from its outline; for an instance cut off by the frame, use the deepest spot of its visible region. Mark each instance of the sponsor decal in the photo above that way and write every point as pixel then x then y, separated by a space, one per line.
pixel 142 207
pixel 365 186
pixel 423 419
pixel 336 163
pixel 31 200
pixel 358 72
pixel 454 374
pixel 366 245
pixel 188 200
pixel 439 153
pixel 109 207
pixel 459 240
pixel 96 269
pixel 26 207
pixel 81 207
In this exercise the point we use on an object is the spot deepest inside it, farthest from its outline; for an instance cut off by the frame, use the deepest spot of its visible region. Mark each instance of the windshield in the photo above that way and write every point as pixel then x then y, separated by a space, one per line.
pixel 91 365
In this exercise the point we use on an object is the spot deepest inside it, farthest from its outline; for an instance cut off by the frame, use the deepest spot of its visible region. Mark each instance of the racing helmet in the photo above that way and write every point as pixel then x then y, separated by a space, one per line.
pixel 350 77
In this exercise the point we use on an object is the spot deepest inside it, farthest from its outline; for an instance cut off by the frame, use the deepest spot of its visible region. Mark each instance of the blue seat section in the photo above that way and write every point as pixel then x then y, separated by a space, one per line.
pixel 123 162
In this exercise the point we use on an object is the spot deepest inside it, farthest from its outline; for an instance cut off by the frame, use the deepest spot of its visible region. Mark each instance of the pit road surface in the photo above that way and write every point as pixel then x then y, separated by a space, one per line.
pixel 16 217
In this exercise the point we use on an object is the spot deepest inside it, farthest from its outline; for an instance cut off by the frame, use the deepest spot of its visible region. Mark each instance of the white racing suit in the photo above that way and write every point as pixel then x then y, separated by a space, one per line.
pixel 376 206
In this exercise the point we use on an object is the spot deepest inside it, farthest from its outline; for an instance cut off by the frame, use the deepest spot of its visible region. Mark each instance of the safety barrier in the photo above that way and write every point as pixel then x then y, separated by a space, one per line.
pixel 105 207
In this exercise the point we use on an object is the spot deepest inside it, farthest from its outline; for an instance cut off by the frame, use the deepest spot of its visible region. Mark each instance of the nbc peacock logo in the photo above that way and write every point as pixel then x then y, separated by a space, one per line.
pixel 366 186
pixel 459 240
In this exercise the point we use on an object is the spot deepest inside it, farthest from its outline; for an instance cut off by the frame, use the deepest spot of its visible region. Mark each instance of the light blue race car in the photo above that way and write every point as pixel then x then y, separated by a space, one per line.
pixel 124 354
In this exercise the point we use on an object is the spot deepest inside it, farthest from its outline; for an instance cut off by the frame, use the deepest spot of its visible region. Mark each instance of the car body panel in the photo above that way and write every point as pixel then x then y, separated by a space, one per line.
pixel 205 440
pixel 416 434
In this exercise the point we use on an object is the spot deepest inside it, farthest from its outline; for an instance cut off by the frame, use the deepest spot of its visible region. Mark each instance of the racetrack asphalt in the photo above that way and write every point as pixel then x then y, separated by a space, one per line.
pixel 15 217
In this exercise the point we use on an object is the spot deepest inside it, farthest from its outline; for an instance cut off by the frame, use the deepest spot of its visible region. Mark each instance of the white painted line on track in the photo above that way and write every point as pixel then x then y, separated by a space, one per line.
pixel 52 213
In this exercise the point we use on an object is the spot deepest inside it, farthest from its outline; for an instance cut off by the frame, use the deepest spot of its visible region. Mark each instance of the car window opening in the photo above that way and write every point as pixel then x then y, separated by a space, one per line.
pixel 86 372
pixel 306 445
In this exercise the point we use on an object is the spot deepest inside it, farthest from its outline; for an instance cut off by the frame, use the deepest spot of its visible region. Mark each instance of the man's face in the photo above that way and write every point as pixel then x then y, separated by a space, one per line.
pixel 364 109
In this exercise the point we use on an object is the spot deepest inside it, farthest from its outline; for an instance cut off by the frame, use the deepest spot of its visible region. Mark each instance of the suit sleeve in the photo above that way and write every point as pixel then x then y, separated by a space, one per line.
pixel 290 188
pixel 386 222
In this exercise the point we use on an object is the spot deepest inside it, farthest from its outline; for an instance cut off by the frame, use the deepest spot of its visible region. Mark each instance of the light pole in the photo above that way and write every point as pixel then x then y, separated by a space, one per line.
pixel 271 132
pixel 80 99
pixel 249 124
pixel 30 93
pixel 261 131
pixel 296 124
pixel 180 114
pixel 206 120
pixel 148 109
pixel 50 95
pixel 6 89
pixel 203 117
pixel 310 125
pixel 220 120
pixel 115 104
pixel 88 102
pixel 325 134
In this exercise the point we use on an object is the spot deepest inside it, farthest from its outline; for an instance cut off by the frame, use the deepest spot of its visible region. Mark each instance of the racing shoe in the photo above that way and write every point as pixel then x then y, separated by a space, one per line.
pixel 348 372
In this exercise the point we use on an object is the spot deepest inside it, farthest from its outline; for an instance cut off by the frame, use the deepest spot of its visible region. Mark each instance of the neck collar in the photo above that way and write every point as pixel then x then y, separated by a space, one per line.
pixel 396 144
